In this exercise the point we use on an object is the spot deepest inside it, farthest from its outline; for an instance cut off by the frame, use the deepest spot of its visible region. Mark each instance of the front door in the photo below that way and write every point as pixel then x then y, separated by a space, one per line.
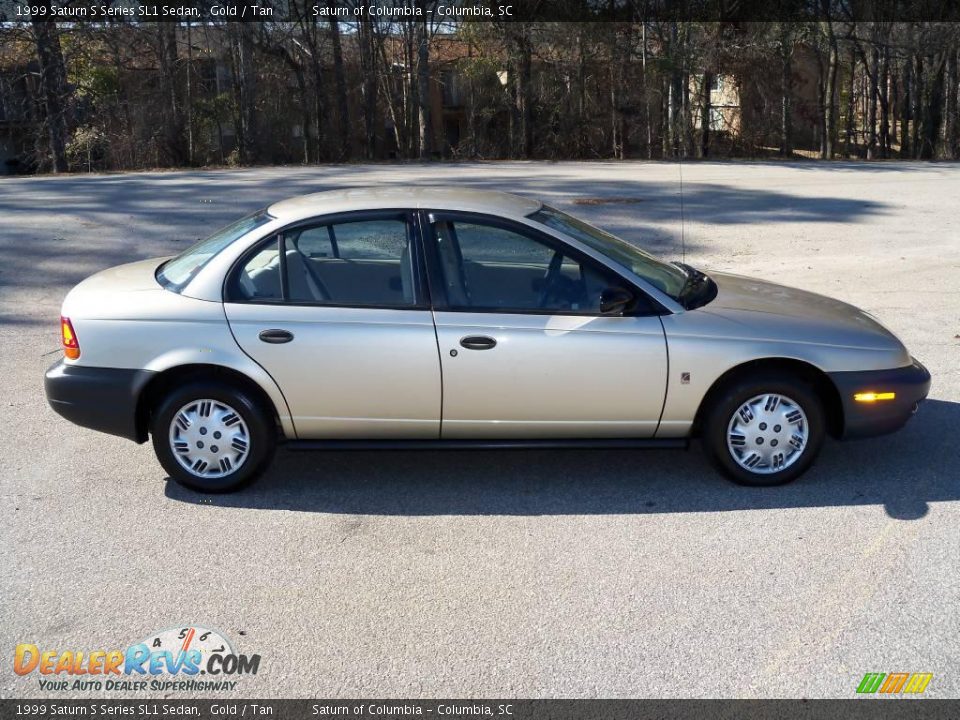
pixel 524 349
pixel 336 311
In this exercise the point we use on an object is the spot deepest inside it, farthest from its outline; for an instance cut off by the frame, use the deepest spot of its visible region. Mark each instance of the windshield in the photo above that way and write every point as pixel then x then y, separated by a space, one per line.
pixel 667 278
pixel 176 273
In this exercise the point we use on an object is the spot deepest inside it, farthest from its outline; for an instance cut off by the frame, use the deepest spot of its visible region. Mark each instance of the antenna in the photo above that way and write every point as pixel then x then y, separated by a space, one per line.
pixel 683 238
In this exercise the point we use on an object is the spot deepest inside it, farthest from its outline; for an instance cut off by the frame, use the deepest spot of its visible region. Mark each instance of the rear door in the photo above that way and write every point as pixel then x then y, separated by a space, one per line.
pixel 524 348
pixel 336 310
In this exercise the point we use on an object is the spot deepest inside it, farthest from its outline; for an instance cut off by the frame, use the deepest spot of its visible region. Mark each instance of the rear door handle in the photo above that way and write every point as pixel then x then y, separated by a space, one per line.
pixel 276 337
pixel 477 342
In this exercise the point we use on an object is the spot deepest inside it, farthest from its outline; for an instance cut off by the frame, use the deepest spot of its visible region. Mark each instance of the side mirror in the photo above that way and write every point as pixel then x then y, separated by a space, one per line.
pixel 615 301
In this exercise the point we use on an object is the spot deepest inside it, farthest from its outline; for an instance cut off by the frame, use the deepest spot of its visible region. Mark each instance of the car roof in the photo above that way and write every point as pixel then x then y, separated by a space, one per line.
pixel 378 198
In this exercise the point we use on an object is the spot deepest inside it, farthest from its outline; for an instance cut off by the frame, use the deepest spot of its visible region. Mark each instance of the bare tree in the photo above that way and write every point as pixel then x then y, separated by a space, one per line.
pixel 142 95
pixel 340 80
pixel 830 91
pixel 785 44
pixel 53 85
pixel 950 127
pixel 365 32
pixel 424 121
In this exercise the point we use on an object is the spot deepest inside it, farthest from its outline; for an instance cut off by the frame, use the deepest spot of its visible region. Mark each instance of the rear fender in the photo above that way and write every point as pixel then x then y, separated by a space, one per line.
pixel 234 361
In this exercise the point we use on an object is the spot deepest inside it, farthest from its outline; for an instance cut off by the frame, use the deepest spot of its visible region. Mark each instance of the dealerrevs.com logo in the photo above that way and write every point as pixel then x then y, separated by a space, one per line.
pixel 183 658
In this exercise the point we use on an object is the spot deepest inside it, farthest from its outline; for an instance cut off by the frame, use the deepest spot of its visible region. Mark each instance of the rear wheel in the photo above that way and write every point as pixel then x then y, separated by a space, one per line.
pixel 765 430
pixel 212 437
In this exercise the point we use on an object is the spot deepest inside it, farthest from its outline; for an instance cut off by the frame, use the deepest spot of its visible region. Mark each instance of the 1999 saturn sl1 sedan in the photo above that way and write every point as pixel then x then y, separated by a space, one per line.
pixel 449 318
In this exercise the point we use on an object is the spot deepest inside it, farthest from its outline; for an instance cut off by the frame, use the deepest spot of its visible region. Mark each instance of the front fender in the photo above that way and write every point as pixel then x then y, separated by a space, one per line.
pixel 702 348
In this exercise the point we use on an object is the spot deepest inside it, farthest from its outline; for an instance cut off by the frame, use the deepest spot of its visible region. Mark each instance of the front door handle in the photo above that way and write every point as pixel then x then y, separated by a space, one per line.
pixel 477 342
pixel 276 337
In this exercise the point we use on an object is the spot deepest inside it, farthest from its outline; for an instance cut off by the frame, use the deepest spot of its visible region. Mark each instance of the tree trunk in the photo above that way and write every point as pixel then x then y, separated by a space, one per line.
pixel 848 140
pixel 423 91
pixel 172 123
pixel 616 141
pixel 402 122
pixel 873 76
pixel 368 86
pixel 786 80
pixel 246 95
pixel 339 77
pixel 582 139
pixel 526 93
pixel 686 117
pixel 615 145
pixel 885 103
pixel 905 109
pixel 917 111
pixel 513 89
pixel 188 105
pixel 305 118
pixel 951 97
pixel 666 117
pixel 646 96
pixel 933 108
pixel 830 96
pixel 706 82
pixel 675 97
pixel 471 149
pixel 319 105
pixel 412 106
pixel 52 81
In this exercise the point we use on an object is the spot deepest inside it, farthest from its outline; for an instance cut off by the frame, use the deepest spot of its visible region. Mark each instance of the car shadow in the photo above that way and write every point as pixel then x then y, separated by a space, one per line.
pixel 903 472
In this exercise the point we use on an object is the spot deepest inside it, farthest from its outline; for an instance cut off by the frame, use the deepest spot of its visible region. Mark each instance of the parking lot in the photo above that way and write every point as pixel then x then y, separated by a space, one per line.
pixel 512 573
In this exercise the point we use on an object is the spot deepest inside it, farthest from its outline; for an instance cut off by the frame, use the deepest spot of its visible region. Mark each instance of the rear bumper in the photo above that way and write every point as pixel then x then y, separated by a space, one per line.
pixel 103 399
pixel 867 419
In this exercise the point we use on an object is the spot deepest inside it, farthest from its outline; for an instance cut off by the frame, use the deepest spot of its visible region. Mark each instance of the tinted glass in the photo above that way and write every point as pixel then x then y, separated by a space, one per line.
pixel 259 278
pixel 371 239
pixel 491 268
pixel 176 273
pixel 362 263
pixel 663 276
pixel 315 242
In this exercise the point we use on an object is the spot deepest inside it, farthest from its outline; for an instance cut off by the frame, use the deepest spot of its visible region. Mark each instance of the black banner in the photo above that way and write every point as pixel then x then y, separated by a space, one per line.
pixel 854 709
pixel 456 11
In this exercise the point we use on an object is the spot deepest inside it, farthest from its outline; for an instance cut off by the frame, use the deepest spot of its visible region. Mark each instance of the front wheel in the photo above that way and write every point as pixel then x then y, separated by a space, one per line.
pixel 765 430
pixel 212 437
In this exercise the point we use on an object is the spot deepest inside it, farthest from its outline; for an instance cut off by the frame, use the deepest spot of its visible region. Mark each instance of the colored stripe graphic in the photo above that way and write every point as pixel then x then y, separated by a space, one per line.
pixel 914 683
pixel 918 682
pixel 894 682
pixel 870 682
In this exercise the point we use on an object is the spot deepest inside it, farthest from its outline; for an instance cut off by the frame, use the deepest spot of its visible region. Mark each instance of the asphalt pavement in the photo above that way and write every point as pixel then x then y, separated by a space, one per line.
pixel 513 573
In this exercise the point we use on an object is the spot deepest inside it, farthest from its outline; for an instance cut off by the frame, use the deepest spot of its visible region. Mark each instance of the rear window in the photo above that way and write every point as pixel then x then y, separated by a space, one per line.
pixel 177 272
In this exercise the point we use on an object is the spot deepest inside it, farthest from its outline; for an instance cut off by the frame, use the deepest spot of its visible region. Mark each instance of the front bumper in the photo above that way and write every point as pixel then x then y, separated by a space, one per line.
pixel 103 399
pixel 867 419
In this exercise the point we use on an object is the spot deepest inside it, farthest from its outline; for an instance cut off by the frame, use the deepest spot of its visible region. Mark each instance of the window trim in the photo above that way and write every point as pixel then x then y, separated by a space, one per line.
pixel 409 217
pixel 282 264
pixel 438 290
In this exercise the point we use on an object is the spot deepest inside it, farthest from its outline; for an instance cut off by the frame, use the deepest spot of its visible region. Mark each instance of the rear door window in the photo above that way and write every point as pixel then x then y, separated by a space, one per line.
pixel 361 262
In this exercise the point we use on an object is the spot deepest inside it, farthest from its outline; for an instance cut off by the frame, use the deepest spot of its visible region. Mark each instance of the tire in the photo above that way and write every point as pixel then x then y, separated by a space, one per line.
pixel 752 416
pixel 191 421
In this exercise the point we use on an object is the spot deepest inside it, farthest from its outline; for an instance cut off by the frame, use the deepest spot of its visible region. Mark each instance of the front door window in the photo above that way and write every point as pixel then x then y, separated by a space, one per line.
pixel 487 267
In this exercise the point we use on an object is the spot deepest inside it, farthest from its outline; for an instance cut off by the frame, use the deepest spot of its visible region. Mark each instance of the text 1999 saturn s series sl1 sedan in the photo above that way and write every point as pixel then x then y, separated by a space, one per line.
pixel 444 318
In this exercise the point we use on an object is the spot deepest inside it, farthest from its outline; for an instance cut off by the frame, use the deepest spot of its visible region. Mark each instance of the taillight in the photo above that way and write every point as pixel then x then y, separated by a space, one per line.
pixel 71 346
